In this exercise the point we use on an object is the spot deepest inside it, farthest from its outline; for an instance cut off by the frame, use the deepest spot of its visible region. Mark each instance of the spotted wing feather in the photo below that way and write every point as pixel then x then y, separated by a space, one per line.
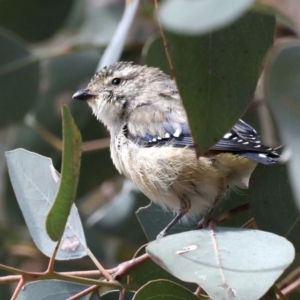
pixel 241 140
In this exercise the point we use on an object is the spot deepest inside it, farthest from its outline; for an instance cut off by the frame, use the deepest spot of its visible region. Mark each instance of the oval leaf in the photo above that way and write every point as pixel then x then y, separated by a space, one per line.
pixel 51 289
pixel 115 295
pixel 163 289
pixel 216 74
pixel 199 17
pixel 271 192
pixel 222 260
pixel 153 219
pixel 35 182
pixel 60 210
pixel 283 92
pixel 149 271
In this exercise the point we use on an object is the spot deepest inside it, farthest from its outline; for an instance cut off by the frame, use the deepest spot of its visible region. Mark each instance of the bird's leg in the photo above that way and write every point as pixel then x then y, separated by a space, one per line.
pixel 207 218
pixel 164 232
pixel 203 223
pixel 185 205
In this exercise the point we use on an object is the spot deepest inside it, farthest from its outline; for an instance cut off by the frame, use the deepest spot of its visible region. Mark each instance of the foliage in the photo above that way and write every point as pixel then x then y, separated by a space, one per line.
pixel 225 66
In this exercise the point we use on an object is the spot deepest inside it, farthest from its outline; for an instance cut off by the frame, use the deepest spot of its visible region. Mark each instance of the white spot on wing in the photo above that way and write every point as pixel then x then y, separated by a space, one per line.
pixel 167 135
pixel 177 133
pixel 227 135
pixel 262 155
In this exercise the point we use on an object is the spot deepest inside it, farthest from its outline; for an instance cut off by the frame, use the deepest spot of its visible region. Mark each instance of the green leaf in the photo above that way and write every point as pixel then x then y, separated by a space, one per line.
pixel 199 17
pixel 272 203
pixel 51 289
pixel 19 79
pixel 34 21
pixel 283 93
pixel 148 271
pixel 164 289
pixel 58 215
pixel 115 295
pixel 226 262
pixel 35 182
pixel 153 218
pixel 216 74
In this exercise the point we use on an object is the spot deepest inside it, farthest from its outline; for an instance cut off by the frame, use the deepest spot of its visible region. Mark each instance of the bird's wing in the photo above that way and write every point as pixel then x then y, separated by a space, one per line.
pixel 241 140
pixel 171 133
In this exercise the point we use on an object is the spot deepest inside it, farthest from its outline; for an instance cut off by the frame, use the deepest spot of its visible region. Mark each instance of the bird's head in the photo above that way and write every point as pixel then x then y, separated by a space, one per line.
pixel 115 91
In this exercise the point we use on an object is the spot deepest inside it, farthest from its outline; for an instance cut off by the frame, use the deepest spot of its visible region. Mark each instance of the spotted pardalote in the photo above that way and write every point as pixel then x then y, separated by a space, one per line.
pixel 151 143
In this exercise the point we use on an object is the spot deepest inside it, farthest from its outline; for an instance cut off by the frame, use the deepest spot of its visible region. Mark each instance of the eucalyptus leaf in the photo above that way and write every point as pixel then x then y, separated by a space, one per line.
pixel 163 289
pixel 283 93
pixel 115 295
pixel 34 20
pixel 228 263
pixel 51 289
pixel 216 74
pixel 198 17
pixel 58 215
pixel 153 218
pixel 36 182
pixel 272 203
pixel 148 271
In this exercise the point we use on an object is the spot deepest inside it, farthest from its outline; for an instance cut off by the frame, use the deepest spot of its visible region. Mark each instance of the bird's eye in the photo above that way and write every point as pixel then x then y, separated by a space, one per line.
pixel 116 81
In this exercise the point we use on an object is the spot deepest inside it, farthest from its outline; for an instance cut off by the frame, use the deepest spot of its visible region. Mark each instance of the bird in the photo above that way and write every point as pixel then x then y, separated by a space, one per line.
pixel 151 142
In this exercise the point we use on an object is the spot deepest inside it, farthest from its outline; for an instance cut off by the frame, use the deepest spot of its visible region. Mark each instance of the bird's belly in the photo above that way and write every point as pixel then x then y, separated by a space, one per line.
pixel 166 175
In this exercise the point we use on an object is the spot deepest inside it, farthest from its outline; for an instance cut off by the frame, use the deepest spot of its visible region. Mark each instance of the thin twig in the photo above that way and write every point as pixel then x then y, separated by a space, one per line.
pixel 104 272
pixel 250 223
pixel 198 291
pixel 85 292
pixel 85 274
pixel 52 258
pixel 291 287
pixel 295 274
pixel 279 293
pixel 126 267
pixel 13 270
pixel 81 280
pixel 18 289
pixel 43 132
pixel 233 212
pixel 95 145
pixel 165 42
pixel 122 294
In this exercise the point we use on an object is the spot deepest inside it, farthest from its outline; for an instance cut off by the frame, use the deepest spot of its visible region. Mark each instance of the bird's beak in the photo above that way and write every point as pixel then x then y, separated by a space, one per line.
pixel 84 94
